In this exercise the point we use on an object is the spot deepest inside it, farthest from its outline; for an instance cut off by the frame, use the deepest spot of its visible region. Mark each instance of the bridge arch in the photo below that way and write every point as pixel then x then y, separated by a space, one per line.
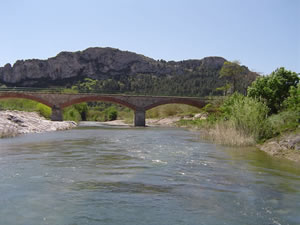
pixel 191 102
pixel 24 96
pixel 98 99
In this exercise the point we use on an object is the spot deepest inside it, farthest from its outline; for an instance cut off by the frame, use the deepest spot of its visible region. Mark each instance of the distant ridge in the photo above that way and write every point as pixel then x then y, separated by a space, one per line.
pixel 67 68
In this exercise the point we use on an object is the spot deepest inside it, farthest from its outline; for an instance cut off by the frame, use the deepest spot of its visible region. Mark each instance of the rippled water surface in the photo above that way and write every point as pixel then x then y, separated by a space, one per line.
pixel 95 175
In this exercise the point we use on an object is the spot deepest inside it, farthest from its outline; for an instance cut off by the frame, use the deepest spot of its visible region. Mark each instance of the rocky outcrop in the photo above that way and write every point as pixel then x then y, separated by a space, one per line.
pixel 14 123
pixel 285 146
pixel 96 63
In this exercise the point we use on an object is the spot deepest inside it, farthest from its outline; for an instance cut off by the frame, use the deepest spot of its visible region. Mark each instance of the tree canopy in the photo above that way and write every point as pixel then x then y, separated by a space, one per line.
pixel 274 89
pixel 230 71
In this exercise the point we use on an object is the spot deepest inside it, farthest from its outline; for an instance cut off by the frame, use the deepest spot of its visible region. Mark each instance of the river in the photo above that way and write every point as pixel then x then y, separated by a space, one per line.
pixel 121 176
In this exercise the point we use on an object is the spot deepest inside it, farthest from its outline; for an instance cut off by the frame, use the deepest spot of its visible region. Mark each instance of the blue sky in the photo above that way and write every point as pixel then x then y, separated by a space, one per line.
pixel 262 34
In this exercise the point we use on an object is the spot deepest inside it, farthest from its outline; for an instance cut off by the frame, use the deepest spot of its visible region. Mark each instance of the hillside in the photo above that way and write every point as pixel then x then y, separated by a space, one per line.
pixel 122 71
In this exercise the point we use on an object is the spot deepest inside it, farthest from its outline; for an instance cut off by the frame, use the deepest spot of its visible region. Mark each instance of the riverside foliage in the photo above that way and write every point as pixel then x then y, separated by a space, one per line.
pixel 274 89
pixel 271 108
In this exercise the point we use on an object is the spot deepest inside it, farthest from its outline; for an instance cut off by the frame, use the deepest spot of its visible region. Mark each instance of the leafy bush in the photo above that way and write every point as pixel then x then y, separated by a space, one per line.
pixel 95 115
pixel 284 121
pixel 111 113
pixel 287 119
pixel 292 103
pixel 70 113
pixel 44 110
pixel 273 89
pixel 248 115
pixel 82 109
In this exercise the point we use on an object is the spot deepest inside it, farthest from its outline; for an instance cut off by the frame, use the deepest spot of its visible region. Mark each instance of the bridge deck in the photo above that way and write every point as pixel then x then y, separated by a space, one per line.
pixel 58 99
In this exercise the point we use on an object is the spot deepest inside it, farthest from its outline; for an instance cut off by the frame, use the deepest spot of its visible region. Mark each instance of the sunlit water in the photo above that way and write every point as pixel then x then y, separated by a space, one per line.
pixel 142 176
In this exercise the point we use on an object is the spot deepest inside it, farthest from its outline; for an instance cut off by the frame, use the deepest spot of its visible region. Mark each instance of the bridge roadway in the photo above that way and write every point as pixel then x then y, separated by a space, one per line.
pixel 139 104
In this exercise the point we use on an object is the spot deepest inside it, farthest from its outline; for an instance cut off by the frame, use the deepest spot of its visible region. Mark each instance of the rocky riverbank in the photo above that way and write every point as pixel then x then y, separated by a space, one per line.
pixel 13 123
pixel 286 146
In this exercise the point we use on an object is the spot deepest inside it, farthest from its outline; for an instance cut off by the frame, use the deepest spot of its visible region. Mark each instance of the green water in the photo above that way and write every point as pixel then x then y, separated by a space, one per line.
pixel 99 175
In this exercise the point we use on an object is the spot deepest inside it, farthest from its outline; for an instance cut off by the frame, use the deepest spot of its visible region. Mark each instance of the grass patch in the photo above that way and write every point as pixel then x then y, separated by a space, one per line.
pixel 226 133
pixel 25 105
pixel 172 110
pixel 284 121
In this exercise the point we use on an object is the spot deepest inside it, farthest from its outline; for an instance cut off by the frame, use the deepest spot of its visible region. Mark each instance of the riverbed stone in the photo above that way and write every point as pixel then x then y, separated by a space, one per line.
pixel 13 123
pixel 285 146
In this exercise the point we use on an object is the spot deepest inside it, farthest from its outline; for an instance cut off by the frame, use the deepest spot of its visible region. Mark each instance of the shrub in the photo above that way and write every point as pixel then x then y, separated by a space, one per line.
pixel 248 116
pixel 293 101
pixel 82 109
pixel 71 113
pixel 95 115
pixel 273 89
pixel 43 110
pixel 111 113
pixel 284 121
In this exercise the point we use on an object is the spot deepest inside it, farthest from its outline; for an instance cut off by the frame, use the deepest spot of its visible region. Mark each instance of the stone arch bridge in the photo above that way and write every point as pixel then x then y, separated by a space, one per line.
pixel 139 104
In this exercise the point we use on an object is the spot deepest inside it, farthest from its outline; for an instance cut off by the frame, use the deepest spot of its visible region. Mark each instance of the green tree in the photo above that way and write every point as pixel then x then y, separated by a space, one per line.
pixel 231 71
pixel 293 101
pixel 225 89
pixel 88 85
pixel 111 113
pixel 82 109
pixel 274 89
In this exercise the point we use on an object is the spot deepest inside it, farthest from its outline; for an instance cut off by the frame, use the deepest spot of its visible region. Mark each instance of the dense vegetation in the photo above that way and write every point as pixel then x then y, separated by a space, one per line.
pixel 145 84
pixel 271 107
pixel 274 89
pixel 194 83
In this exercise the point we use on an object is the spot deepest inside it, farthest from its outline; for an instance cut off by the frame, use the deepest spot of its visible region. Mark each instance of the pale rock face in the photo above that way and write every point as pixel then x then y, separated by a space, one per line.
pixel 96 63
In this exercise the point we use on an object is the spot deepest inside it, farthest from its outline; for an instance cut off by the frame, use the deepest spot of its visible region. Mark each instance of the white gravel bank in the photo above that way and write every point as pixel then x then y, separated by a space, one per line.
pixel 14 123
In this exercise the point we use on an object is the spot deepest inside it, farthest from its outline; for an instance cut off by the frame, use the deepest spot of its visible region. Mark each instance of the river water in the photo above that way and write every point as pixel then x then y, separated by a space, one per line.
pixel 120 176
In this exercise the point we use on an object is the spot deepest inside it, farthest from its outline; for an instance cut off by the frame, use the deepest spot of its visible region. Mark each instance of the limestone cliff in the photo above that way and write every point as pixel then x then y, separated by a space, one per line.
pixel 97 63
pixel 107 63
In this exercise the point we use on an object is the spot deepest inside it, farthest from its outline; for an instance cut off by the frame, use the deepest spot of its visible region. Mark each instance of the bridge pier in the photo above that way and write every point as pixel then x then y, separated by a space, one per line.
pixel 56 114
pixel 140 118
